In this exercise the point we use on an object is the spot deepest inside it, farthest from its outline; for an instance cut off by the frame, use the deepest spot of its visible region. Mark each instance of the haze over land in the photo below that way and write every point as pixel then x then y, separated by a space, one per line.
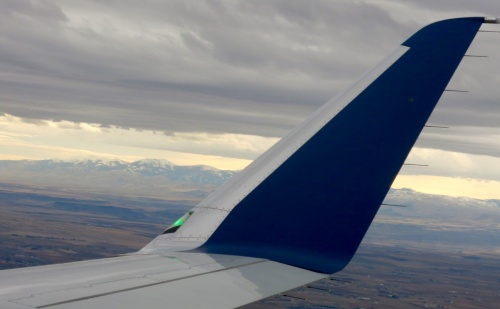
pixel 59 211
pixel 441 221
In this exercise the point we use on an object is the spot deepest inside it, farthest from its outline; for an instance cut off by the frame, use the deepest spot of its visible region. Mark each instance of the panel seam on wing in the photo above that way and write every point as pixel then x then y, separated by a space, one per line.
pixel 149 285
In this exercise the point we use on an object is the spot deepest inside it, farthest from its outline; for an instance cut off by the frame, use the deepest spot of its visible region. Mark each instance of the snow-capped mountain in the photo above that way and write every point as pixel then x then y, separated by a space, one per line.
pixel 198 174
pixel 436 207
pixel 163 179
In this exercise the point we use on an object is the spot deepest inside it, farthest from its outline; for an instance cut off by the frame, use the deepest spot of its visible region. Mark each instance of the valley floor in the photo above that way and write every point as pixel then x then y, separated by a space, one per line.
pixel 392 269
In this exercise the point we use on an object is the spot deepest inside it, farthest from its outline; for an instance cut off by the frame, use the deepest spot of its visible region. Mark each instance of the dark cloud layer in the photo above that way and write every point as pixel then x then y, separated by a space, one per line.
pixel 251 67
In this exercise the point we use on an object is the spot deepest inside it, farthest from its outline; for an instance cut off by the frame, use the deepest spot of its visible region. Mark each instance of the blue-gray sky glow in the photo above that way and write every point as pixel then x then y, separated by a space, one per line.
pixel 218 82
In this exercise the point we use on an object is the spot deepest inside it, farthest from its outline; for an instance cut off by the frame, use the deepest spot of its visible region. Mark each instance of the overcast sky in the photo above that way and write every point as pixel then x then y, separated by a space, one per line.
pixel 218 82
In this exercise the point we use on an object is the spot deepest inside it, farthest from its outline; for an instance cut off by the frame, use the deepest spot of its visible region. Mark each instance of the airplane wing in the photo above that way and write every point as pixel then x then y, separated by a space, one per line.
pixel 293 216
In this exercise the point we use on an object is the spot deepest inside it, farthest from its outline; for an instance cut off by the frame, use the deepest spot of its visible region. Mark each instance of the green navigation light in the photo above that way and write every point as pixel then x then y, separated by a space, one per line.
pixel 178 223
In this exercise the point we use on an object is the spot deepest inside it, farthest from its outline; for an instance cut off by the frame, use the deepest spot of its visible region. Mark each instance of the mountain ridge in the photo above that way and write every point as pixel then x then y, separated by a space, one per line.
pixel 194 174
pixel 162 178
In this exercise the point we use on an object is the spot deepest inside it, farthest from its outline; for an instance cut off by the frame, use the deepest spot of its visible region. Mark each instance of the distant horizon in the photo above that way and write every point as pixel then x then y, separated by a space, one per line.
pixel 104 159
pixel 427 184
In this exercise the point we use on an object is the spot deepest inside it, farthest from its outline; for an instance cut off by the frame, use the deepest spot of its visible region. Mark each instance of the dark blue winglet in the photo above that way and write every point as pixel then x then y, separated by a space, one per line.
pixel 315 209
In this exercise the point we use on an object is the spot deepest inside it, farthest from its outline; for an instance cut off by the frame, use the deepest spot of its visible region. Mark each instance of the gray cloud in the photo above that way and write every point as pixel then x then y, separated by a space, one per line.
pixel 479 6
pixel 252 67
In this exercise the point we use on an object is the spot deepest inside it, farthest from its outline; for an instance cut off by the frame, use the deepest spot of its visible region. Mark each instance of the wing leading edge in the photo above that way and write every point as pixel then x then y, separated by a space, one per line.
pixel 295 214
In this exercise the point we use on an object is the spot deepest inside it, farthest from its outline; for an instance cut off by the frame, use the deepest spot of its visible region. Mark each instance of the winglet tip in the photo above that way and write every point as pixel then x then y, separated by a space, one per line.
pixel 491 20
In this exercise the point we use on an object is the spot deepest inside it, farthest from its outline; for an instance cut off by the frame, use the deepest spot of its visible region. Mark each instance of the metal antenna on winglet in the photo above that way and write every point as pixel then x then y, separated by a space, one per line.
pixel 491 20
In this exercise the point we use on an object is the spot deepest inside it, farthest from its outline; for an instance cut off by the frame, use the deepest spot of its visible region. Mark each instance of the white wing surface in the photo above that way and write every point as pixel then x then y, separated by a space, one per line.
pixel 183 280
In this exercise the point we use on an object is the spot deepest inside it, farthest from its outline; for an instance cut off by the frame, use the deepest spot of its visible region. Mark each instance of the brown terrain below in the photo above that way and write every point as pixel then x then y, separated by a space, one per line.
pixel 42 226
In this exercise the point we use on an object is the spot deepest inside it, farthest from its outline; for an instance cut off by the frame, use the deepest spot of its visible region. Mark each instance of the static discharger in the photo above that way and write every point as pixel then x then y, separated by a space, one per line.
pixel 437 127
pixel 317 288
pixel 340 280
pixel 291 296
pixel 394 205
